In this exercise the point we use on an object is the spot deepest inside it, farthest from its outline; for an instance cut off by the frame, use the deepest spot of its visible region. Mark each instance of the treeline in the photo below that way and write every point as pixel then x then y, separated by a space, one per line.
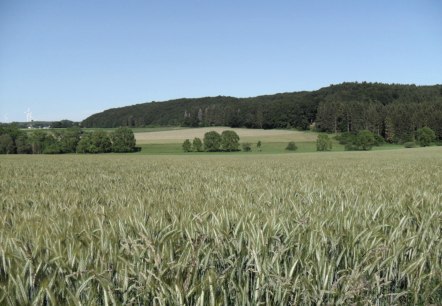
pixel 72 140
pixel 227 141
pixel 393 112
pixel 46 124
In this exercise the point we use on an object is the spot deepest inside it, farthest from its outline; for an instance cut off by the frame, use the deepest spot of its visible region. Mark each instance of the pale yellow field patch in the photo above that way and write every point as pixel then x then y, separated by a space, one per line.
pixel 252 135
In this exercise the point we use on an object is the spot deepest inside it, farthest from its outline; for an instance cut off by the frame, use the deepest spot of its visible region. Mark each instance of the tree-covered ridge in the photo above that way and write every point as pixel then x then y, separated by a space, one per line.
pixel 392 111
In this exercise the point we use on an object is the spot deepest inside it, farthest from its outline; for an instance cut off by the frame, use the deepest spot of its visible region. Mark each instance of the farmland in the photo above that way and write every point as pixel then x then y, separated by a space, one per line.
pixel 330 228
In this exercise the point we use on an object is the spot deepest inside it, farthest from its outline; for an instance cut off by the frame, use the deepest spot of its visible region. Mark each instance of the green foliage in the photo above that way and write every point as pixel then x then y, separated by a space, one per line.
pixel 212 141
pixel 258 145
pixel 364 140
pixel 187 146
pixel 345 138
pixel 291 146
pixel 229 141
pixel 246 147
pixel 95 142
pixel 13 140
pixel 197 145
pixel 378 140
pixel 69 140
pixel 323 143
pixel 23 145
pixel 39 140
pixel 6 144
pixel 393 111
pixel 425 136
pixel 63 124
pixel 410 144
pixel 123 140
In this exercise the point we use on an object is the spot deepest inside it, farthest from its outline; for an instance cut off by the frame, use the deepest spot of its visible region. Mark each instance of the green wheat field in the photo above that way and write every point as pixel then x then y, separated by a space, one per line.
pixel 334 228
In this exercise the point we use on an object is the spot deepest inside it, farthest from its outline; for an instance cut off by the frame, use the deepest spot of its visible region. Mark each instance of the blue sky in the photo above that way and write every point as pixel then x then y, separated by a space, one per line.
pixel 70 59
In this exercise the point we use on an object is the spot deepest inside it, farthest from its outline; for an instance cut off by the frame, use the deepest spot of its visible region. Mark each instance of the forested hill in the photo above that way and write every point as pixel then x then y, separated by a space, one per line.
pixel 393 111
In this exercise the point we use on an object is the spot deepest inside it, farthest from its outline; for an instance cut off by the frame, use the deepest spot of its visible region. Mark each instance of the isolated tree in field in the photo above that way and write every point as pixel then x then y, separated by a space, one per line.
pixel 212 141
pixel 123 140
pixel 258 145
pixel 323 143
pixel 425 136
pixel 229 141
pixel 197 144
pixel 291 146
pixel 187 146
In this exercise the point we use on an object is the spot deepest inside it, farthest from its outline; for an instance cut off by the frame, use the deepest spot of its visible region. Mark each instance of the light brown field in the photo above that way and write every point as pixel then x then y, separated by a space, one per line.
pixel 251 135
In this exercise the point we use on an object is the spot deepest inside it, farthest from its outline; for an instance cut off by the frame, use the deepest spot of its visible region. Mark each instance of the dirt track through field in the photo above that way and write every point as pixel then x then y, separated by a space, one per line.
pixel 245 135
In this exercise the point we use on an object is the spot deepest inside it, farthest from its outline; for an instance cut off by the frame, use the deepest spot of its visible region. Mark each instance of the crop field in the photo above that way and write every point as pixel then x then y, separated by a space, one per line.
pixel 335 228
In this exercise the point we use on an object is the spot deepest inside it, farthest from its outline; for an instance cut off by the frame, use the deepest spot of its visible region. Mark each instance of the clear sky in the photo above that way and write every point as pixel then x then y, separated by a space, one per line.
pixel 68 59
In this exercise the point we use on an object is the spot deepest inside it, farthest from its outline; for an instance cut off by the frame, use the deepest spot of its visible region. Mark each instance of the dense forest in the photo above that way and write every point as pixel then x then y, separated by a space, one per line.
pixel 392 111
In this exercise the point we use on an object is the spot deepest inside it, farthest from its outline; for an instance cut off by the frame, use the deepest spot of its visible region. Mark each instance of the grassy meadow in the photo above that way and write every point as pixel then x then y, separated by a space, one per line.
pixel 169 141
pixel 276 229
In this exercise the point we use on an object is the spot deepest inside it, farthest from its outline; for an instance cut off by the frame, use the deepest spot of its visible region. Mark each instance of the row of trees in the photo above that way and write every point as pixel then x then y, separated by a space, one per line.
pixel 72 140
pixel 227 141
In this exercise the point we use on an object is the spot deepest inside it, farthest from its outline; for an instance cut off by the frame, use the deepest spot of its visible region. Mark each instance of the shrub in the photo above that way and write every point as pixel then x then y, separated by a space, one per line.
pixel 291 146
pixel 123 140
pixel 187 146
pixel 323 143
pixel 229 141
pixel 378 140
pixel 95 142
pixel 197 144
pixel 246 147
pixel 425 136
pixel 410 144
pixel 212 141
pixel 258 145
pixel 345 138
pixel 363 140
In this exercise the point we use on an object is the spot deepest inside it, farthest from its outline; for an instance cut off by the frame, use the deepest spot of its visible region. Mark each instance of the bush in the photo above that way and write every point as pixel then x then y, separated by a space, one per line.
pixel 197 144
pixel 410 144
pixel 229 141
pixel 212 141
pixel 378 140
pixel 291 146
pixel 187 146
pixel 123 140
pixel 363 140
pixel 323 143
pixel 6 144
pixel 246 147
pixel 345 138
pixel 258 145
pixel 95 142
pixel 425 136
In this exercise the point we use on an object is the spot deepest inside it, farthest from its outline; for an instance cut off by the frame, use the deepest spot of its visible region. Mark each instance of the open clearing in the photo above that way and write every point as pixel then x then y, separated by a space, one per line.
pixel 252 135
pixel 335 228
